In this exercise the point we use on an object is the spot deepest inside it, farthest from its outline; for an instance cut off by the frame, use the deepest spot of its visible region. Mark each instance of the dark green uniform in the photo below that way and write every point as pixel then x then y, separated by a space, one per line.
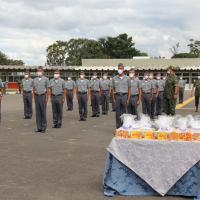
pixel 197 93
pixel 169 101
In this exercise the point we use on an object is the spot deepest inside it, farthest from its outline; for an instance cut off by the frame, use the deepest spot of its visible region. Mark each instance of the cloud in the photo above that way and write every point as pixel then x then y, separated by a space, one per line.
pixel 27 27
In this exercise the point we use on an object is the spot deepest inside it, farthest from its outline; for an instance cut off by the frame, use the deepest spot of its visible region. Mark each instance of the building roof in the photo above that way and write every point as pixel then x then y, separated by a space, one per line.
pixel 111 64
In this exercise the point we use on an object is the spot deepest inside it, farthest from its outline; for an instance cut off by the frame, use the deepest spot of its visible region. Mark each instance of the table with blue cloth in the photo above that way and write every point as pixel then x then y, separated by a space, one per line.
pixel 152 167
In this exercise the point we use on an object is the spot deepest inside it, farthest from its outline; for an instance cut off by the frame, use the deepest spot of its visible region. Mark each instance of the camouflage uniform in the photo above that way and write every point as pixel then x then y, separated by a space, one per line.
pixel 169 101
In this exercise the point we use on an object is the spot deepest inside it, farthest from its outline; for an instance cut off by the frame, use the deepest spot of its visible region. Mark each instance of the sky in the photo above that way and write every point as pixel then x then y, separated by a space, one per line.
pixel 28 27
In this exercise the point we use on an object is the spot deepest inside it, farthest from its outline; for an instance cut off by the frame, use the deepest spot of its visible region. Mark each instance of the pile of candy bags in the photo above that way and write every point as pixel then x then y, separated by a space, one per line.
pixel 164 128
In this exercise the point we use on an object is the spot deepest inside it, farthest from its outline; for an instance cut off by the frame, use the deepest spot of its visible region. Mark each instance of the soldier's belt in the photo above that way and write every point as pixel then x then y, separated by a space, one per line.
pixel 55 95
pixel 121 93
pixel 82 92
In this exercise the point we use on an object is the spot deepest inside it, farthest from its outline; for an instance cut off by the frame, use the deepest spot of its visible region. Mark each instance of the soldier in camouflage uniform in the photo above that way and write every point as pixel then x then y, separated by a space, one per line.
pixel 170 92
pixel 196 92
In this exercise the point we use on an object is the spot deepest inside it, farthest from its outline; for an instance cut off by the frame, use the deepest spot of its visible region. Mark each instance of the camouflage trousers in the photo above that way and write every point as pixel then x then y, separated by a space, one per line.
pixel 169 106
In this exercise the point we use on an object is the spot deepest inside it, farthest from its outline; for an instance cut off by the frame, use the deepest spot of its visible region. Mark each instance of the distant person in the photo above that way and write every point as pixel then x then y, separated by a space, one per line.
pixel 147 94
pixel 105 93
pixel 136 93
pixel 170 92
pixel 196 93
pixel 111 96
pixel 121 93
pixel 181 85
pixel 58 95
pixel 19 86
pixel 1 95
pixel 40 92
pixel 70 86
pixel 95 95
pixel 27 87
pixel 154 96
pixel 82 90
pixel 160 91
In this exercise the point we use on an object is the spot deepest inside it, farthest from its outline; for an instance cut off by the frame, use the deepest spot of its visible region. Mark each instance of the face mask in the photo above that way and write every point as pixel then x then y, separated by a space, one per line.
pixel 94 77
pixel 131 75
pixel 151 77
pixel 164 78
pixel 26 76
pixel 56 76
pixel 39 74
pixel 120 71
pixel 181 78
pixel 168 72
pixel 82 76
pixel 198 77
pixel 104 77
pixel 69 79
pixel 158 77
pixel 146 77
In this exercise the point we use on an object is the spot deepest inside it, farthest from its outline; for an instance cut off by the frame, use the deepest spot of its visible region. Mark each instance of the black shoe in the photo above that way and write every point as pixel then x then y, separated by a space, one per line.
pixel 93 116
pixel 43 131
pixel 38 131
pixel 58 126
pixel 103 113
pixel 26 118
pixel 97 115
pixel 84 119
pixel 54 126
pixel 81 119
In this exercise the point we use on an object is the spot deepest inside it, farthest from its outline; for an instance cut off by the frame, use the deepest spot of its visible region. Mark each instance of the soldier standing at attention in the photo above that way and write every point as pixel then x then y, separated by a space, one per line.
pixel 181 85
pixel 27 86
pixel 160 91
pixel 111 96
pixel 58 95
pixel 147 94
pixel 70 86
pixel 105 93
pixel 82 91
pixel 40 92
pixel 154 97
pixel 95 95
pixel 170 92
pixel 196 93
pixel 121 93
pixel 135 93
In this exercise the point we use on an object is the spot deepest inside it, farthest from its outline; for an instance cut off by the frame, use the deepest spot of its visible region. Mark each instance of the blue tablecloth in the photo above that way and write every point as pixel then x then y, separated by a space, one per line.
pixel 120 180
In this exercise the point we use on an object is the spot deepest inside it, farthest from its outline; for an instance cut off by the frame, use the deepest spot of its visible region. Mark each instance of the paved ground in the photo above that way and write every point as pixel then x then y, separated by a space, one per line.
pixel 63 164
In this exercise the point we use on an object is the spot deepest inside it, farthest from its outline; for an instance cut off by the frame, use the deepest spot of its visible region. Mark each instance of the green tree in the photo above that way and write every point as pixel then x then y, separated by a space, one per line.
pixel 121 46
pixel 73 51
pixel 184 55
pixel 57 53
pixel 194 46
pixel 4 60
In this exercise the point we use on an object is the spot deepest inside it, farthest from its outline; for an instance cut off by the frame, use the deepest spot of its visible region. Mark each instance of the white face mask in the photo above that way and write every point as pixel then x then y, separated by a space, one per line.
pixel 146 77
pixel 120 71
pixel 181 78
pixel 198 77
pixel 56 76
pixel 151 77
pixel 26 76
pixel 164 78
pixel 39 74
pixel 104 77
pixel 69 79
pixel 82 76
pixel 94 77
pixel 158 77
pixel 131 75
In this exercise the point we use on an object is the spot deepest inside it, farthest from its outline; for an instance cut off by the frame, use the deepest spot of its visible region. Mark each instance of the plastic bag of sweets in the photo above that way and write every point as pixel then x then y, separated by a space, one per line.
pixel 136 134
